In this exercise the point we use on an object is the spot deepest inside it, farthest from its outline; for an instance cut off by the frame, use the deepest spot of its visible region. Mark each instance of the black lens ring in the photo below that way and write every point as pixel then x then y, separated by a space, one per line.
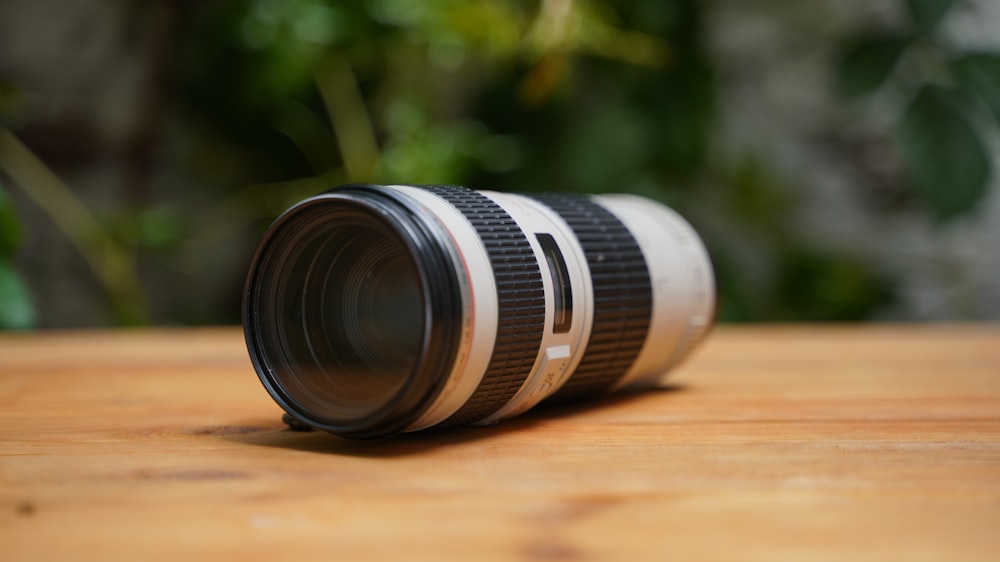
pixel 521 302
pixel 623 295
pixel 442 320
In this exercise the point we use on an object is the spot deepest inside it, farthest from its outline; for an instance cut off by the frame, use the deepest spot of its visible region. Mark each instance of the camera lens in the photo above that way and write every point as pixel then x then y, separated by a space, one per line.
pixel 371 310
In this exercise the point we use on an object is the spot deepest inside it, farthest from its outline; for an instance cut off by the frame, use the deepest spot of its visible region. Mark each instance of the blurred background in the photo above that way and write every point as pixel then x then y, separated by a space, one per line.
pixel 840 157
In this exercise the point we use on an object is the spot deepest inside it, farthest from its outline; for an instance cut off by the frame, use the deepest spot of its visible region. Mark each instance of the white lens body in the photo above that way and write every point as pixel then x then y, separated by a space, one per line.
pixel 560 353
pixel 680 273
pixel 683 296
pixel 479 310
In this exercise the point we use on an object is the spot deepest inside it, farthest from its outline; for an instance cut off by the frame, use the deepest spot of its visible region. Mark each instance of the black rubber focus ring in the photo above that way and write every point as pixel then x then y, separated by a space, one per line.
pixel 623 296
pixel 521 302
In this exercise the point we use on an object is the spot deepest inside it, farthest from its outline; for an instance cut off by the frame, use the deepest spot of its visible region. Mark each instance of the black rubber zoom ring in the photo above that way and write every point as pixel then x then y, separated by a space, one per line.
pixel 521 302
pixel 623 296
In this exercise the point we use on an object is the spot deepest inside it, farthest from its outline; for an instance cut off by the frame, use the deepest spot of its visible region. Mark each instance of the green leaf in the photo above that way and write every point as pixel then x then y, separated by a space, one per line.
pixel 927 14
pixel 10 233
pixel 158 228
pixel 865 62
pixel 606 148
pixel 16 310
pixel 979 73
pixel 944 156
pixel 824 287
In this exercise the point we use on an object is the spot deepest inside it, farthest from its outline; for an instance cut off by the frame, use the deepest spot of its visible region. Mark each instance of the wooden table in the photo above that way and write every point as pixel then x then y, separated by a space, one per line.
pixel 772 443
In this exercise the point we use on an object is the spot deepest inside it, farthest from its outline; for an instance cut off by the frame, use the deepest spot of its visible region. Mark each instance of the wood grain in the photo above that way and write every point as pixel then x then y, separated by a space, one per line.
pixel 777 443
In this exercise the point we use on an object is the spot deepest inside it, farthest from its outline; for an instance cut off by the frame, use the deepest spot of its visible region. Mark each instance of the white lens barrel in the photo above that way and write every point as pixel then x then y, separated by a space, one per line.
pixel 681 277
pixel 520 313
pixel 522 298
pixel 676 270
pixel 560 351
pixel 479 314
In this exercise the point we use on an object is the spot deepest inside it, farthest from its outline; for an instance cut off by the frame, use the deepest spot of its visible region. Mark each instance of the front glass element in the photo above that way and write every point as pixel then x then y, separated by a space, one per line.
pixel 346 315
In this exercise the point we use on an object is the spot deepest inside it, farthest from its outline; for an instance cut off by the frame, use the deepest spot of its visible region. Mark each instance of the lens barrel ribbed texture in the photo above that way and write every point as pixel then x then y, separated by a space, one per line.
pixel 521 302
pixel 623 297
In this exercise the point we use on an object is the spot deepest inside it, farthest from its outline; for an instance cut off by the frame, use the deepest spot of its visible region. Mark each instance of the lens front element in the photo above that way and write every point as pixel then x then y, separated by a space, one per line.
pixel 337 314
pixel 359 317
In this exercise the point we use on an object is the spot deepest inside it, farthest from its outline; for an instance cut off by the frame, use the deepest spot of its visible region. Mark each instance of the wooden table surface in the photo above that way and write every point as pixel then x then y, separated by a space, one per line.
pixel 772 443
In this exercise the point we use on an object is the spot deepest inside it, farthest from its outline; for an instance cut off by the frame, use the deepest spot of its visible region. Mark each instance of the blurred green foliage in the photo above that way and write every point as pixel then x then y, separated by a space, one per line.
pixel 16 309
pixel 950 91
pixel 608 96
pixel 279 99
pixel 454 91
pixel 927 14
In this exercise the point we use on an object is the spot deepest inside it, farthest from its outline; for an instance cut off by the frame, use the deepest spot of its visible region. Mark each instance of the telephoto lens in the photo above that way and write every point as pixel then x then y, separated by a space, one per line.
pixel 373 310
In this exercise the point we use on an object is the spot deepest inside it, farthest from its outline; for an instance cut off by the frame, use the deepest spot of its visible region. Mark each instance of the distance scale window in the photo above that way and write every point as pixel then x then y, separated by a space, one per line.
pixel 562 292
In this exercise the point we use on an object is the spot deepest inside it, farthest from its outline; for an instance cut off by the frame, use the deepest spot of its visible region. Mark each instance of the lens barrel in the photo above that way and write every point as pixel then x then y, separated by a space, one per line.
pixel 373 310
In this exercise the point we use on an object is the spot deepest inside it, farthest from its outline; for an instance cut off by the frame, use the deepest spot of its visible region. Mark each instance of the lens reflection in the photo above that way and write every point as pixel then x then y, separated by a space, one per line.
pixel 350 315
pixel 379 306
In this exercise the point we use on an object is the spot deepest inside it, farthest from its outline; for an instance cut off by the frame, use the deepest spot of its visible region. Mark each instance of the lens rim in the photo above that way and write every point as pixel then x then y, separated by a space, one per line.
pixel 439 286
